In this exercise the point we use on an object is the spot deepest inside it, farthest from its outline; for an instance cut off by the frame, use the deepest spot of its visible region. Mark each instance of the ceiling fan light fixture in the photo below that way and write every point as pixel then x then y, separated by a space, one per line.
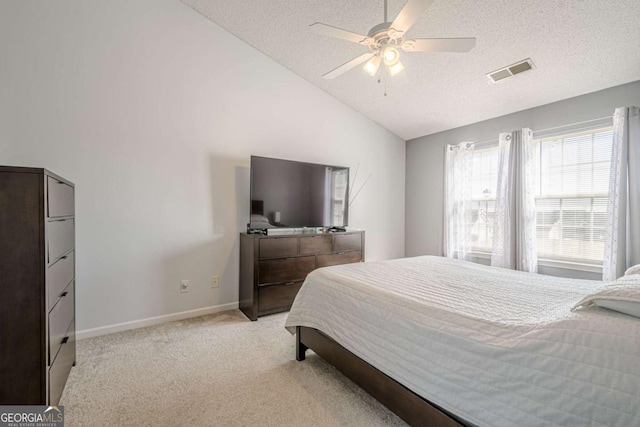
pixel 391 55
pixel 371 67
pixel 396 68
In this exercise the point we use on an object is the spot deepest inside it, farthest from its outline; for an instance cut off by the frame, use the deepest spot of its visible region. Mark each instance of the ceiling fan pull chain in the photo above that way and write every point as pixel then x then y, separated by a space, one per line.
pixel 385 83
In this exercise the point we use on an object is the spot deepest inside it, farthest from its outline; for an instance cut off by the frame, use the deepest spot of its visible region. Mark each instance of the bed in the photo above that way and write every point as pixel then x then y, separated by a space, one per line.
pixel 449 342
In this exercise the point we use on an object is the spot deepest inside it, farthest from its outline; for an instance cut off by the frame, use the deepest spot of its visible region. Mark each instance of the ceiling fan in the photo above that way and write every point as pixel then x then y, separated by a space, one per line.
pixel 384 40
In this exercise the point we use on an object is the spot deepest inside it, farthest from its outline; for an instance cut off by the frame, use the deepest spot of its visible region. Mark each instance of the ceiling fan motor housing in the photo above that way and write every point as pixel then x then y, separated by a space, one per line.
pixel 382 34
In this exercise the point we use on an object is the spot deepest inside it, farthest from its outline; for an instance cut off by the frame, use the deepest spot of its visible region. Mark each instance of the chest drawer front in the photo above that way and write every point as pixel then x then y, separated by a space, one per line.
pixel 59 275
pixel 277 297
pixel 59 320
pixel 315 244
pixel 286 269
pixel 60 198
pixel 279 247
pixel 345 242
pixel 61 367
pixel 339 258
pixel 60 238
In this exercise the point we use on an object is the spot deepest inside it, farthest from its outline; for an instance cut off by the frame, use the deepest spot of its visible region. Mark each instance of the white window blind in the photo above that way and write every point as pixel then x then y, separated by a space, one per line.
pixel 483 198
pixel 572 177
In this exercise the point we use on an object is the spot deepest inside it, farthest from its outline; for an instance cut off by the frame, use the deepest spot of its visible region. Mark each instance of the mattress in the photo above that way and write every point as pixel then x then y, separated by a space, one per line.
pixel 496 347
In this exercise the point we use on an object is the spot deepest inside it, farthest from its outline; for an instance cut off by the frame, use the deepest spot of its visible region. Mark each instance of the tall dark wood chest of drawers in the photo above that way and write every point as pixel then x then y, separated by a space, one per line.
pixel 37 285
pixel 272 268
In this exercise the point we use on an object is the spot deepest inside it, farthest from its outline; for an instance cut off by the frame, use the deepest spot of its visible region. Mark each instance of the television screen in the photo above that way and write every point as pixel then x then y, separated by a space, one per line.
pixel 291 194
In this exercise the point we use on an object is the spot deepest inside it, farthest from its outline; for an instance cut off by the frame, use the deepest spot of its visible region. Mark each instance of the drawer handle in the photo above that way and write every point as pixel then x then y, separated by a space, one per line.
pixel 58 220
pixel 64 257
pixel 65 340
pixel 290 283
pixel 64 294
pixel 340 253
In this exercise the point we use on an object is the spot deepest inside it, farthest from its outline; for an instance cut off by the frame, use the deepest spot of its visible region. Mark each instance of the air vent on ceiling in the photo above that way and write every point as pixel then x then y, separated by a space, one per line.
pixel 511 70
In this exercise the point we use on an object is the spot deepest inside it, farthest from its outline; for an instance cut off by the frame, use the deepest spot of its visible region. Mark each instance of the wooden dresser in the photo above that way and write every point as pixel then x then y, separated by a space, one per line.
pixel 37 285
pixel 272 268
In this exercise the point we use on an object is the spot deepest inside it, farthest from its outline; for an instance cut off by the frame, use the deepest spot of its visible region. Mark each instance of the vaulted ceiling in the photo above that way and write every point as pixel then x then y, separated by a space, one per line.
pixel 577 47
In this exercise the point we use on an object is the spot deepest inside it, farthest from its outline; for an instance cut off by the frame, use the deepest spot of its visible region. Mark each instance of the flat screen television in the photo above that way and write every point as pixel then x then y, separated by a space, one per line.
pixel 290 194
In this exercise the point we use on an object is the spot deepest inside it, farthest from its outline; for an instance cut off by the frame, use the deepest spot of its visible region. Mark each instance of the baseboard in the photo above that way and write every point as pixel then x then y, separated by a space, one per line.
pixel 150 321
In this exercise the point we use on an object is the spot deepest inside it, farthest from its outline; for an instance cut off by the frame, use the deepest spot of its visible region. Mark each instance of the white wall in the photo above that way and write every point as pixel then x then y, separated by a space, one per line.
pixel 425 160
pixel 153 111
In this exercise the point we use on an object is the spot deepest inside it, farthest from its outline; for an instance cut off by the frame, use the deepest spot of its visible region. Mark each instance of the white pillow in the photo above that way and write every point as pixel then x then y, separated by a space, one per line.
pixel 258 218
pixel 633 270
pixel 632 308
pixel 623 295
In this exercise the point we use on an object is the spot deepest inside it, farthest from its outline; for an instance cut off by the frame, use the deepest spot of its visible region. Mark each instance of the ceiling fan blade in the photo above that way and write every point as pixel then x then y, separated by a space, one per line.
pixel 410 14
pixel 439 45
pixel 347 66
pixel 338 33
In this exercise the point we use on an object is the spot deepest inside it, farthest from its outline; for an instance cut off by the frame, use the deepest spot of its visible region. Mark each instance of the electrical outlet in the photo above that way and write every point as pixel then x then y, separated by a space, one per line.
pixel 184 286
pixel 215 282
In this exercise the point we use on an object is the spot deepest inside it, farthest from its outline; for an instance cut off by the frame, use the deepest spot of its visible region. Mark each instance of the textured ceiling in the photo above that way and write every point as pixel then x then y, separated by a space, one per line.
pixel 577 46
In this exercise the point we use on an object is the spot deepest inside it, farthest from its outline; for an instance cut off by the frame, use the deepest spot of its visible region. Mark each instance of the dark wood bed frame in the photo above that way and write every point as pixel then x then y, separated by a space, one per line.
pixel 412 408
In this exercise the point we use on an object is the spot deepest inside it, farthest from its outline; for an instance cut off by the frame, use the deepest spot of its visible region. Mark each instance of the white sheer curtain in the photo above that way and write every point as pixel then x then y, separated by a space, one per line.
pixel 514 235
pixel 622 233
pixel 457 200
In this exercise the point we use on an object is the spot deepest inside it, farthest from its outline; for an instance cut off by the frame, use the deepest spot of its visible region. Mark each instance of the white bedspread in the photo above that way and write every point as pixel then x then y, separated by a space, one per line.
pixel 496 347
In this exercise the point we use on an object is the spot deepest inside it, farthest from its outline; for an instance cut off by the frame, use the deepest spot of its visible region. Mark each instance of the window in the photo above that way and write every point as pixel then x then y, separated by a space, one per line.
pixel 339 180
pixel 572 179
pixel 483 198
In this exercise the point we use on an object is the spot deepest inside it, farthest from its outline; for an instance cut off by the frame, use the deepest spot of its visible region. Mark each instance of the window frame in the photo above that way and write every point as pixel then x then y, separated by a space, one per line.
pixel 477 251
pixel 558 261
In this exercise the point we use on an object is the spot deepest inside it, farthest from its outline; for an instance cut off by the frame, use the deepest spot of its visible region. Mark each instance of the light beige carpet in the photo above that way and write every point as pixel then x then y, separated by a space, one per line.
pixel 217 370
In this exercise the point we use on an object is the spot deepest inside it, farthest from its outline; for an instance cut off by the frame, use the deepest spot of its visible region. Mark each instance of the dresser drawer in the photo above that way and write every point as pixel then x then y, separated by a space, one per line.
pixel 60 198
pixel 277 297
pixel 278 247
pixel 285 269
pixel 59 319
pixel 60 238
pixel 61 367
pixel 315 244
pixel 59 275
pixel 339 258
pixel 345 242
